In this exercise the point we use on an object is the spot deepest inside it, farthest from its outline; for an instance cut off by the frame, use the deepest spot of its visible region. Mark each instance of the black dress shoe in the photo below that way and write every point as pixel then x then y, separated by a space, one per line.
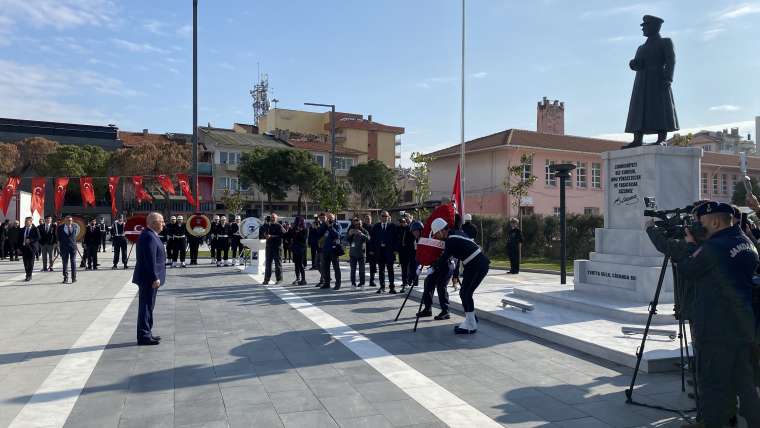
pixel 65 281
pixel 380 290
pixel 156 338
pixel 114 267
pixel 73 280
pixel 147 342
pixel 325 286
pixel 126 267
pixel 28 278
pixel 372 284
pixel 392 291
pixel 337 287
pixel 442 316
pixel 50 269
pixel 424 313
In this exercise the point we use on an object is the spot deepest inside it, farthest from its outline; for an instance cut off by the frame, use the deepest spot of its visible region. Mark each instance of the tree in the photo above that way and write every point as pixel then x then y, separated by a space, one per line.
pixel 421 171
pixel 517 184
pixel 9 157
pixel 302 170
pixel 375 183
pixel 34 152
pixel 263 167
pixel 78 161
pixel 232 201
pixel 681 140
pixel 329 195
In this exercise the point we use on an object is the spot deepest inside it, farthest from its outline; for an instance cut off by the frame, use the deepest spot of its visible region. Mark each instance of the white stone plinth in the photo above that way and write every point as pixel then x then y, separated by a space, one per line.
pixel 256 265
pixel 625 263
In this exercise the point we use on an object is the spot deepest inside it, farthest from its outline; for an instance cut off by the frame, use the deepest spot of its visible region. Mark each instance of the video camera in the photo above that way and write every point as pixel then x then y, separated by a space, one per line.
pixel 673 222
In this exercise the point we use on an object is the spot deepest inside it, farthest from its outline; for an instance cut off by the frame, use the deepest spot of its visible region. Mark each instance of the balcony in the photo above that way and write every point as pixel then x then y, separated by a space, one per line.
pixel 204 168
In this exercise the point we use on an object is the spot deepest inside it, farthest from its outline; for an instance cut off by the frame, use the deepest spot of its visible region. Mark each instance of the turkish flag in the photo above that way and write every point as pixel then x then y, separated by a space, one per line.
pixel 429 248
pixel 184 186
pixel 8 191
pixel 88 192
pixel 60 192
pixel 456 194
pixel 113 184
pixel 166 184
pixel 38 194
pixel 140 193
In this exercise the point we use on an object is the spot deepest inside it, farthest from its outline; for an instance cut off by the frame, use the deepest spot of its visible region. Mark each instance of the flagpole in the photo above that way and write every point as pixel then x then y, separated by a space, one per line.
pixel 461 118
pixel 195 101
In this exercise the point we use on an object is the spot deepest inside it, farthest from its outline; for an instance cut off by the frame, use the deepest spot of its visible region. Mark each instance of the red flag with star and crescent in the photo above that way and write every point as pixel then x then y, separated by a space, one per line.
pixel 166 184
pixel 456 194
pixel 61 183
pixel 38 194
pixel 184 186
pixel 8 191
pixel 140 193
pixel 113 184
pixel 88 192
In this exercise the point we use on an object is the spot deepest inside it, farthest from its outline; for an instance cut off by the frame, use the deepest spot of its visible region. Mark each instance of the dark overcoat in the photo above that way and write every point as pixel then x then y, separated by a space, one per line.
pixel 652 109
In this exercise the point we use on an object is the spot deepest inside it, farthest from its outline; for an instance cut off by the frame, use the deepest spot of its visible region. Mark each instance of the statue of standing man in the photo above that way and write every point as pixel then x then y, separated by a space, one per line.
pixel 652 110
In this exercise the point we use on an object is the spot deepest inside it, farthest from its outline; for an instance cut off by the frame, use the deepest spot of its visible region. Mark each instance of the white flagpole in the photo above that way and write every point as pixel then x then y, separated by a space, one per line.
pixel 461 118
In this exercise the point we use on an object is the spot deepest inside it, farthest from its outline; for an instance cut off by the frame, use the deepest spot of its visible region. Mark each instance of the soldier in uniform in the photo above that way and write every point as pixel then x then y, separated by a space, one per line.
pixel 720 268
pixel 119 242
pixel 103 234
pixel 180 242
pixel 92 243
pixel 222 242
pixel 171 248
pixel 274 234
pixel 514 245
pixel 235 238
pixel 476 266
pixel 212 238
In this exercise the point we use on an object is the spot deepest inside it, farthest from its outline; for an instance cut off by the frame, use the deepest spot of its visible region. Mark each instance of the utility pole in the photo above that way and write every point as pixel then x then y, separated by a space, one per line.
pixel 195 101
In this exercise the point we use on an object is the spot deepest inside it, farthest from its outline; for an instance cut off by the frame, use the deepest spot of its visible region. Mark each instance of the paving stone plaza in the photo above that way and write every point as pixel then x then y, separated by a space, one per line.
pixel 239 354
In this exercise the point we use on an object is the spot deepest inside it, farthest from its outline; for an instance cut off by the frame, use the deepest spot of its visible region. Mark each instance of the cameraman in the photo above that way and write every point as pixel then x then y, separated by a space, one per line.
pixel 721 270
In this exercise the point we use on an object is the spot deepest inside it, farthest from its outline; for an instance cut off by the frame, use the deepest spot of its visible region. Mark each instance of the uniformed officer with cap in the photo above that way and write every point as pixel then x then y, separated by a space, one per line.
pixel 476 266
pixel 169 230
pixel 212 241
pixel 119 242
pixel 180 242
pixel 222 242
pixel 721 269
pixel 235 238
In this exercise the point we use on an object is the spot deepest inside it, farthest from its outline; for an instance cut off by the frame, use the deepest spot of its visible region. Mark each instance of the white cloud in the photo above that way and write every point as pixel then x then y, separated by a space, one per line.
pixel 479 75
pixel 137 47
pixel 738 11
pixel 745 127
pixel 40 92
pixel 155 27
pixel 636 9
pixel 61 14
pixel 724 107
pixel 712 33
pixel 620 39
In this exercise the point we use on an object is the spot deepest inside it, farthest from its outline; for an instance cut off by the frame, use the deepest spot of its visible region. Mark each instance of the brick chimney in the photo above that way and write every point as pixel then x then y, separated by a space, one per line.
pixel 550 117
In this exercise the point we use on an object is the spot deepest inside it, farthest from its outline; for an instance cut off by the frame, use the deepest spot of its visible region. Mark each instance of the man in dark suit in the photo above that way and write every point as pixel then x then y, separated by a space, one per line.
pixel 384 239
pixel 13 234
pixel 92 244
pixel 149 274
pixel 28 240
pixel 47 242
pixel 67 247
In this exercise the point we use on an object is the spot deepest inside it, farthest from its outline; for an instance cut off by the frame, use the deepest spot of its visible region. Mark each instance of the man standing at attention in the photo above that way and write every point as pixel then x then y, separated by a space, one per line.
pixel 28 241
pixel 149 274
pixel 383 239
pixel 514 245
pixel 67 247
pixel 47 241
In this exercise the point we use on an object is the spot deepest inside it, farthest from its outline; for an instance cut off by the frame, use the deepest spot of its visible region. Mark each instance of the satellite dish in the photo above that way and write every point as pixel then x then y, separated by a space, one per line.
pixel 250 228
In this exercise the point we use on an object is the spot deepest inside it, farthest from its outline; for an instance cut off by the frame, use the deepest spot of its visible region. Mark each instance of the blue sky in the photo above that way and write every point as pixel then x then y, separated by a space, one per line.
pixel 129 62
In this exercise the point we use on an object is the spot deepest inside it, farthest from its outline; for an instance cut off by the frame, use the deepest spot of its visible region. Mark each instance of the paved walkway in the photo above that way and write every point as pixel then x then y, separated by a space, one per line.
pixel 239 354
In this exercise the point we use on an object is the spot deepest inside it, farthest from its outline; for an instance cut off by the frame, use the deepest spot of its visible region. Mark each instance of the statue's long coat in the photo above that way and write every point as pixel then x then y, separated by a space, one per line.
pixel 652 109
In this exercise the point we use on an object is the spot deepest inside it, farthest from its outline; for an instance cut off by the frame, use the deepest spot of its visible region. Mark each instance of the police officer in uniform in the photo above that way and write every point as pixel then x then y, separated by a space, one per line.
pixel 92 244
pixel 119 242
pixel 274 234
pixel 103 234
pixel 212 238
pixel 222 242
pixel 476 266
pixel 180 242
pixel 235 238
pixel 721 270
pixel 171 248
pixel 514 245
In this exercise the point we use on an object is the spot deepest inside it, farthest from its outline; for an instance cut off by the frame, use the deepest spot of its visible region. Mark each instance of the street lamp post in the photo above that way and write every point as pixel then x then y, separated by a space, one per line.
pixel 563 172
pixel 332 135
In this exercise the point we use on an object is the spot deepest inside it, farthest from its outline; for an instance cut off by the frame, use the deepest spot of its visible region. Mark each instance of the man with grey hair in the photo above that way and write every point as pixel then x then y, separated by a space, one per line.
pixel 149 274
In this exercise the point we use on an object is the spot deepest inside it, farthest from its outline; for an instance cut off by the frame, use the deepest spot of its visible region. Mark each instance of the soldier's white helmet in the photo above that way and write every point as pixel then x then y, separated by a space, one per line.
pixel 179 217
pixel 173 218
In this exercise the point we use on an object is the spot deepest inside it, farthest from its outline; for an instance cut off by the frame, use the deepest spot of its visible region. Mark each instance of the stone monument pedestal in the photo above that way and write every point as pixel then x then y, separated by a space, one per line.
pixel 256 266
pixel 625 264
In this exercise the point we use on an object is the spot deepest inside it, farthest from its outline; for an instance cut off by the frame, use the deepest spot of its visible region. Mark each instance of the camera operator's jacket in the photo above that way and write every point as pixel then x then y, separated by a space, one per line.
pixel 720 270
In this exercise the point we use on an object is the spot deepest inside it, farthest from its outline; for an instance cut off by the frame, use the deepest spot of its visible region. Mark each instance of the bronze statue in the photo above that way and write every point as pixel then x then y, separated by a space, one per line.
pixel 652 110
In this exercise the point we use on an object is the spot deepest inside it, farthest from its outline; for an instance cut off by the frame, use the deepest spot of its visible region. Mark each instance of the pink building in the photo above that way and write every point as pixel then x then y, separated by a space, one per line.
pixel 487 160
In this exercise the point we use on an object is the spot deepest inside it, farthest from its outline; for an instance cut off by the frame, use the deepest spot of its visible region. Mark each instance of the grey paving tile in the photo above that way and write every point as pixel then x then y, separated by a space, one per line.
pixel 380 391
pixel 549 408
pixel 295 401
pixel 314 419
pixel 404 412
pixel 162 420
pixel 195 412
pixel 375 421
pixel 243 396
pixel 330 387
pixel 582 423
pixel 197 393
pixel 283 382
pixel 348 406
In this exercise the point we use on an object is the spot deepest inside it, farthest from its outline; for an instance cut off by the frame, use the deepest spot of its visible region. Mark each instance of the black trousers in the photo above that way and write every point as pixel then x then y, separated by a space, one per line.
pixel 28 254
pixel 286 252
pixel 725 371
pixel 385 263
pixel 315 262
pixel 2 249
pixel 179 250
pixel 12 250
pixel 408 262
pixel 437 282
pixel 92 255
pixel 272 254
pixel 513 252
pixel 145 305
pixel 194 251
pixel 236 246
pixel 69 257
pixel 119 249
pixel 103 240
pixel 222 246
pixel 299 258
pixel 330 259
pixel 357 262
pixel 372 261
pixel 472 276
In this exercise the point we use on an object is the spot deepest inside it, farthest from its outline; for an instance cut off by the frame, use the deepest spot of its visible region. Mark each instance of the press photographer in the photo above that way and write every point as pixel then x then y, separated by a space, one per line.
pixel 718 260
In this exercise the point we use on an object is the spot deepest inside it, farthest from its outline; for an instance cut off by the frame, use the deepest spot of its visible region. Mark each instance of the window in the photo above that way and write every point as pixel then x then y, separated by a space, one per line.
pixel 569 180
pixel 231 158
pixel 724 184
pixel 715 184
pixel 733 183
pixel 556 211
pixel 408 196
pixel 227 183
pixel 549 178
pixel 704 184
pixel 591 211
pixel 707 148
pixel 580 175
pixel 596 175
pixel 343 164
pixel 526 210
pixel 222 157
pixel 318 159
pixel 527 168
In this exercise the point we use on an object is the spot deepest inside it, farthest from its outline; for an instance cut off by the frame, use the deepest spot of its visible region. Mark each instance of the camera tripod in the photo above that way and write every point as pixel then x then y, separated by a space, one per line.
pixel 683 343
pixel 409 293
